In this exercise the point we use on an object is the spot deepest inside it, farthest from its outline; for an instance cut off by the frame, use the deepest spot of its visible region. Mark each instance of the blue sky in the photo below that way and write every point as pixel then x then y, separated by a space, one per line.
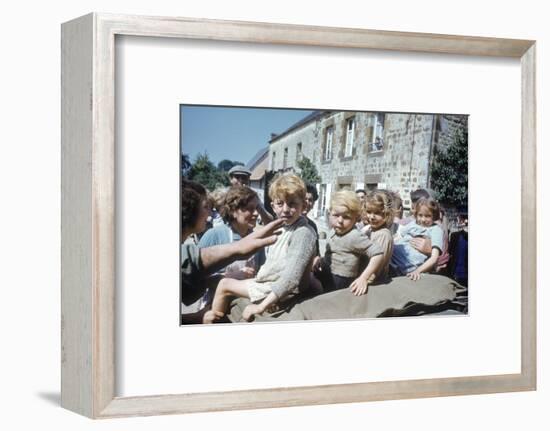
pixel 232 133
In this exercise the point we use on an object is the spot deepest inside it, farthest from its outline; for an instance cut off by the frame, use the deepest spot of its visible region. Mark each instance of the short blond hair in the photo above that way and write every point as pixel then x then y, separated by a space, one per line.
pixel 286 187
pixel 348 200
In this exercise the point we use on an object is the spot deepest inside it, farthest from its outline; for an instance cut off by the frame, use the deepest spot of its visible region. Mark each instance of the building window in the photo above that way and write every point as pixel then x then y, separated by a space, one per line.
pixel 344 186
pixel 299 153
pixel 371 186
pixel 273 160
pixel 285 158
pixel 328 143
pixel 324 199
pixel 350 132
pixel 377 140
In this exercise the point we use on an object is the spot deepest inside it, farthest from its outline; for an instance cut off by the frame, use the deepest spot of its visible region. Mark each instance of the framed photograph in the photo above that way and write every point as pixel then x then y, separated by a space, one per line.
pixel 136 89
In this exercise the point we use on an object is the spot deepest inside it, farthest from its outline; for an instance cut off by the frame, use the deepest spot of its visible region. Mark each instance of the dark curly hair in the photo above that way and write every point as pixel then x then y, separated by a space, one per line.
pixel 419 194
pixel 192 196
pixel 310 188
pixel 237 197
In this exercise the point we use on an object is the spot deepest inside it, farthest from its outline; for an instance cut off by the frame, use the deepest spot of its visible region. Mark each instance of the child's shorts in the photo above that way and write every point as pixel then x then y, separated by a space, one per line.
pixel 257 291
pixel 332 282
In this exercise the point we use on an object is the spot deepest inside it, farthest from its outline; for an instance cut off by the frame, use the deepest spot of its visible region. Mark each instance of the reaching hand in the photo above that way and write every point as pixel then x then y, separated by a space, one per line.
pixel 218 256
pixel 259 238
pixel 414 276
pixel 359 286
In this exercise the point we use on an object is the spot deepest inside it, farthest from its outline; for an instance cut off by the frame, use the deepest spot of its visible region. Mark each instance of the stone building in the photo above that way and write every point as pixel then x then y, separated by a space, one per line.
pixel 364 150
pixel 258 167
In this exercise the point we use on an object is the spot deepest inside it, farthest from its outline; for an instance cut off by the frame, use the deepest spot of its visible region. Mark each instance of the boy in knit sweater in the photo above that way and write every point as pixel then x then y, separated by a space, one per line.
pixel 285 272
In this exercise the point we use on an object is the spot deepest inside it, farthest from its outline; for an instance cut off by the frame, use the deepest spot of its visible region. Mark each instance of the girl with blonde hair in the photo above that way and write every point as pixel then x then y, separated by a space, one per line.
pixel 378 214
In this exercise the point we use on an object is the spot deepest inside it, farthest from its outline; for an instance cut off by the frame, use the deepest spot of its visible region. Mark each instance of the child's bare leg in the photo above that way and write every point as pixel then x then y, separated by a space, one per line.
pixel 227 289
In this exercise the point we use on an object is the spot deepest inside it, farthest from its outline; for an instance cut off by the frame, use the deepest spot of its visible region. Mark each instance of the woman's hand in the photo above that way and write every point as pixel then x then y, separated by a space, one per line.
pixel 423 245
pixel 258 239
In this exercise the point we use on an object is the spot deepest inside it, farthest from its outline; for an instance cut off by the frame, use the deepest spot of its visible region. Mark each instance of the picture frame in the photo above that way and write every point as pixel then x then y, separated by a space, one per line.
pixel 89 200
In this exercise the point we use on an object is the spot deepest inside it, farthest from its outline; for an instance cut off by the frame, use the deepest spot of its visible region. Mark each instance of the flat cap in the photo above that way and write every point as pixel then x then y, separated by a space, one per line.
pixel 239 169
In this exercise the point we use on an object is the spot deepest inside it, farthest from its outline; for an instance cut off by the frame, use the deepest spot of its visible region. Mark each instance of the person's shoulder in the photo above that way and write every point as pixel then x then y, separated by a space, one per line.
pixel 307 224
pixel 213 236
pixel 382 233
pixel 436 236
pixel 303 227
pixel 189 248
pixel 355 238
pixel 355 233
pixel 436 232
pixel 311 223
pixel 190 255
pixel 435 228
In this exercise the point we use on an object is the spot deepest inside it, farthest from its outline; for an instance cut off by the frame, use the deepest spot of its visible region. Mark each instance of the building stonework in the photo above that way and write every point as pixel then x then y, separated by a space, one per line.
pixel 306 135
pixel 448 126
pixel 365 150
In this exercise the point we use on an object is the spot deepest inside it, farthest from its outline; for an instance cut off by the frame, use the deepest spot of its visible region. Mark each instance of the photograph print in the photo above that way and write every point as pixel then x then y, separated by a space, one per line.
pixel 295 214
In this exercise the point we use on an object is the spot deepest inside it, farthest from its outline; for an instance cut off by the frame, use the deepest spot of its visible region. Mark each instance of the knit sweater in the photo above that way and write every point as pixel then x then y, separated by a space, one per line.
pixel 286 268
pixel 344 252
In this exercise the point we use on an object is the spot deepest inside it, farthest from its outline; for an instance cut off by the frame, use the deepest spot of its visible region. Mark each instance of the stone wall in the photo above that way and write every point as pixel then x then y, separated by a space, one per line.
pixel 307 135
pixel 447 127
pixel 402 164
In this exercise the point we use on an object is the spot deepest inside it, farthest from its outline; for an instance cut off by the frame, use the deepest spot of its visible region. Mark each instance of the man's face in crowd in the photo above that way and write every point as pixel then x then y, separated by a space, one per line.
pixel 309 203
pixel 239 180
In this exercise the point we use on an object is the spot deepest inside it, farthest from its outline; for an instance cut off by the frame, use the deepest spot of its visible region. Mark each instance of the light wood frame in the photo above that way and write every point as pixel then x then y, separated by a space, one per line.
pixel 88 214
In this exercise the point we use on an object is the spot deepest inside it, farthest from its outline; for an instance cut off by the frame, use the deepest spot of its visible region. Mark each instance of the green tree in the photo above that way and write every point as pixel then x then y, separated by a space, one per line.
pixel 227 164
pixel 308 171
pixel 449 172
pixel 205 172
pixel 185 165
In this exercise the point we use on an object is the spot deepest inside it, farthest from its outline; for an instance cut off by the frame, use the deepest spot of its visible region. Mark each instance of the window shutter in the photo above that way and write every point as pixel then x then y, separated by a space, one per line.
pixel 370 132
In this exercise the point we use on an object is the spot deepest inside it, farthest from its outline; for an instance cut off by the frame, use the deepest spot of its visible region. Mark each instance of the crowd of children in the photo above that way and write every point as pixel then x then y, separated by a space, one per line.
pixel 369 242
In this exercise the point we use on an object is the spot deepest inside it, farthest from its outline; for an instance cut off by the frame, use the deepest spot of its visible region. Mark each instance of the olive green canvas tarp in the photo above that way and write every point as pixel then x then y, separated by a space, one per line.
pixel 401 296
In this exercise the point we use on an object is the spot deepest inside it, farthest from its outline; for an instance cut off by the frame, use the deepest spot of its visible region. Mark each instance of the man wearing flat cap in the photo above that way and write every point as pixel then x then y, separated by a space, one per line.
pixel 239 175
